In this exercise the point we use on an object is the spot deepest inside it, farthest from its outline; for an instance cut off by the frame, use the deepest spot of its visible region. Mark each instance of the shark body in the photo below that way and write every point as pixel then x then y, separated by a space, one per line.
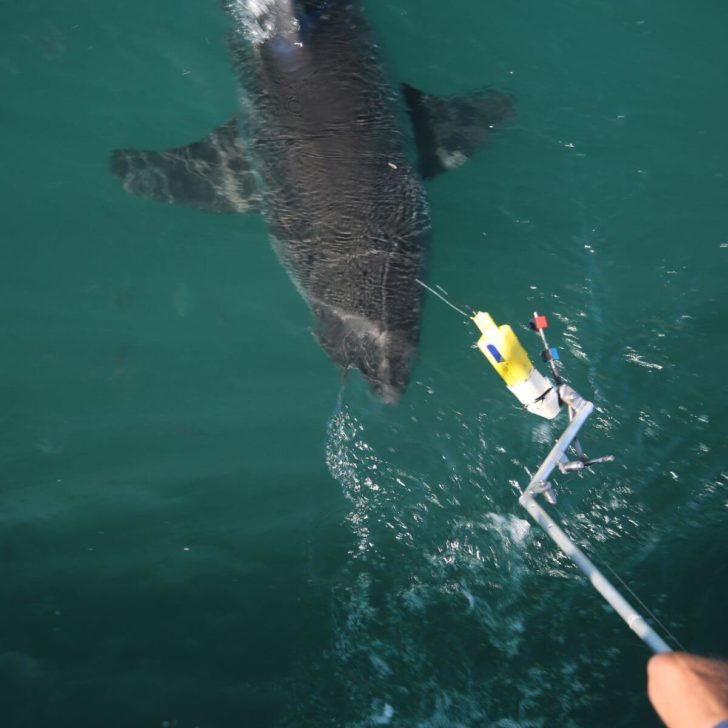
pixel 334 155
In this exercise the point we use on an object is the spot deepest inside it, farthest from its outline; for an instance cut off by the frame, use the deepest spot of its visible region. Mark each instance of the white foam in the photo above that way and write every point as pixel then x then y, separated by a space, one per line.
pixel 383 717
pixel 260 20
pixel 510 527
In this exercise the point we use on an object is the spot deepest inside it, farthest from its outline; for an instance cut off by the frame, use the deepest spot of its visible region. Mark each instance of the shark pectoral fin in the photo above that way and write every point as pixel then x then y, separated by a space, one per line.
pixel 448 130
pixel 212 175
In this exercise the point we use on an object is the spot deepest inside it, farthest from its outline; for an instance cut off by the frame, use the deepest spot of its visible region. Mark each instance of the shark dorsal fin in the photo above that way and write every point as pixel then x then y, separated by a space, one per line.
pixel 449 129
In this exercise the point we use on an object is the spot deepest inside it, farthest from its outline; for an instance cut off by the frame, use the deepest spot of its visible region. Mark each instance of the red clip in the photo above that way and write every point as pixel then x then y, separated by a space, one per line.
pixel 539 323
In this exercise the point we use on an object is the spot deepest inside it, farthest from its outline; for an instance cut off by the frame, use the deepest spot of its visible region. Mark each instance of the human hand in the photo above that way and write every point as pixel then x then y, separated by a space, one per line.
pixel 688 691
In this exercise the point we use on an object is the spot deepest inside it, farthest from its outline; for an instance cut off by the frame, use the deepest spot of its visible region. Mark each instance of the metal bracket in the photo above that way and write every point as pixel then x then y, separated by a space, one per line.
pixel 573 466
pixel 579 411
pixel 540 485
pixel 544 487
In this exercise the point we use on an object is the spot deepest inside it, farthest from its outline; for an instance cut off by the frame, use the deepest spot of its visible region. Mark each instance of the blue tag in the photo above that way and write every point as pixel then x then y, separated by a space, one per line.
pixel 495 353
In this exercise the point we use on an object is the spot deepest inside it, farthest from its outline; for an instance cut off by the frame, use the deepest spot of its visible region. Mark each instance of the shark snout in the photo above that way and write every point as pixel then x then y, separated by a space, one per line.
pixel 382 356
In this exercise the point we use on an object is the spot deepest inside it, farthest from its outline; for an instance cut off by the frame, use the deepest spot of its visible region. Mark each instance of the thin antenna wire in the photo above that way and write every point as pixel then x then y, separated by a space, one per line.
pixel 442 298
pixel 644 606
pixel 647 609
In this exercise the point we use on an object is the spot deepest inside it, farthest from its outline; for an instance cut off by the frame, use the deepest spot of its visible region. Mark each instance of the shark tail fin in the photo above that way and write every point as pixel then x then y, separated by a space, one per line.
pixel 211 175
pixel 448 130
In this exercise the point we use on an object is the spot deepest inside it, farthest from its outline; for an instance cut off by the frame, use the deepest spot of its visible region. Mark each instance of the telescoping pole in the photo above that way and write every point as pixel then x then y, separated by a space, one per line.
pixel 528 500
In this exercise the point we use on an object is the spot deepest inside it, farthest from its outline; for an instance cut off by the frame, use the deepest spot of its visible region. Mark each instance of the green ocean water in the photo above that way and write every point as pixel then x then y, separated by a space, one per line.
pixel 200 527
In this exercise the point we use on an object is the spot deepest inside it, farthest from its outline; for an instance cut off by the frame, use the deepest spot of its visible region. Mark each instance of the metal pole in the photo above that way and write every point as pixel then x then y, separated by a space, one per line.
pixel 582 410
pixel 558 450
pixel 634 620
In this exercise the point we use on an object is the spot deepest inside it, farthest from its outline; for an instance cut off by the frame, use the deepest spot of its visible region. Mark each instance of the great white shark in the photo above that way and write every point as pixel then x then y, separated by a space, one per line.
pixel 334 155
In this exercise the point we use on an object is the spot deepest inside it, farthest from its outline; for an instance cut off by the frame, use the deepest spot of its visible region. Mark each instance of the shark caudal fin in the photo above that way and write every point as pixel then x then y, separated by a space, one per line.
pixel 448 130
pixel 212 175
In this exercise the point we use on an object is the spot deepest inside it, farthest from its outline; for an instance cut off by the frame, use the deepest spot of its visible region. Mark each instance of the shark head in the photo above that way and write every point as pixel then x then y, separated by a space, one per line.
pixel 285 19
pixel 382 356
pixel 262 20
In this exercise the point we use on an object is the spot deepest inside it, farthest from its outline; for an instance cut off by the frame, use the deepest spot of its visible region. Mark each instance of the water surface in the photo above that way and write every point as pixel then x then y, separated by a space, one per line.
pixel 195 532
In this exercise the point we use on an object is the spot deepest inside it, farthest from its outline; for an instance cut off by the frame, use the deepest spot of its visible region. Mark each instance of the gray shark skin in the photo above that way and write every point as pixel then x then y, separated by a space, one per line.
pixel 323 149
